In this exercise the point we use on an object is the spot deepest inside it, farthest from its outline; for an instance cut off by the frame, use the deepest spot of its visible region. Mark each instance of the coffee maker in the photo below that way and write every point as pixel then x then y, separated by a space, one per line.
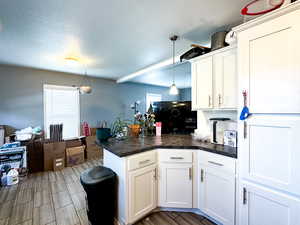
pixel 218 131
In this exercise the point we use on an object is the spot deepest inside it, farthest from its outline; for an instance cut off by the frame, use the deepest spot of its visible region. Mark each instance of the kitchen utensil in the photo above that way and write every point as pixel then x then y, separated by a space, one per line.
pixel 245 111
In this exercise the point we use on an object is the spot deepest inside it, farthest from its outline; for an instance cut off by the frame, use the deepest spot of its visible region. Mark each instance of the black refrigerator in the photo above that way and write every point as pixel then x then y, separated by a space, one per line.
pixel 176 117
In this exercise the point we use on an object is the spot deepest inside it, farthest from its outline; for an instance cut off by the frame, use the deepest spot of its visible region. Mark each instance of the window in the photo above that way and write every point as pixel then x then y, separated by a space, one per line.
pixel 61 106
pixel 150 98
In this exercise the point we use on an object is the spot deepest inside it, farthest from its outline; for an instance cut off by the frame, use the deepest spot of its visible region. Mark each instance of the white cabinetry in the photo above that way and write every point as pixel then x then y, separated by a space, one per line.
pixel 176 179
pixel 202 83
pixel 269 153
pixel 269 64
pixel 214 80
pixel 263 206
pixel 142 192
pixel 217 187
pixel 225 80
pixel 175 185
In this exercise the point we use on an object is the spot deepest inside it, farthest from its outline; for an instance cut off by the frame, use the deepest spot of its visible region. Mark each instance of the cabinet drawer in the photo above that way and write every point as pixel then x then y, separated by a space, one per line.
pixel 141 160
pixel 178 156
pixel 224 163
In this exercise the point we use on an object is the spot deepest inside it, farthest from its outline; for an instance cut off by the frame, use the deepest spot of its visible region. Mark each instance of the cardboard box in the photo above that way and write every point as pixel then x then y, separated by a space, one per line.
pixel 91 141
pixel 53 150
pixel 59 163
pixel 93 131
pixel 75 142
pixel 75 155
pixel 94 152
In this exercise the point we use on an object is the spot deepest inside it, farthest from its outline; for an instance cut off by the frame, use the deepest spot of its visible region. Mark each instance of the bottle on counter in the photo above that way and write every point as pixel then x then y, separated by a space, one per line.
pixel 158 128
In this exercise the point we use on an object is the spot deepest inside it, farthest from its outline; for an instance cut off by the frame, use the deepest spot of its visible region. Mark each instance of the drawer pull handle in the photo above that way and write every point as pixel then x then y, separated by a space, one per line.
pixel 244 196
pixel 145 161
pixel 190 174
pixel 214 163
pixel 202 175
pixel 155 174
pixel 176 157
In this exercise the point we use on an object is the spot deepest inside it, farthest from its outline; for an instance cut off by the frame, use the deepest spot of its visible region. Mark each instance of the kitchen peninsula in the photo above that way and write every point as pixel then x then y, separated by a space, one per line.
pixel 172 172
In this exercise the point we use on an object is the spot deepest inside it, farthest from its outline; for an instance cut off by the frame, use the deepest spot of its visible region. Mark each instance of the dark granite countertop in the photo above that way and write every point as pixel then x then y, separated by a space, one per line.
pixel 133 145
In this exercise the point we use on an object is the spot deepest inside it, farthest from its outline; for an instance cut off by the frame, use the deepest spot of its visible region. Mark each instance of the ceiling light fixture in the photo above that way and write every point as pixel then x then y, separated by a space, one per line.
pixel 72 61
pixel 173 89
pixel 85 87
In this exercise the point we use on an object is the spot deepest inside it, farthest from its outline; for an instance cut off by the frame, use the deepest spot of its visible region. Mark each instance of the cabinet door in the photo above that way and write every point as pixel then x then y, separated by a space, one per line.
pixel 225 80
pixel 270 153
pixel 269 65
pixel 142 192
pixel 217 194
pixel 202 84
pixel 262 206
pixel 175 185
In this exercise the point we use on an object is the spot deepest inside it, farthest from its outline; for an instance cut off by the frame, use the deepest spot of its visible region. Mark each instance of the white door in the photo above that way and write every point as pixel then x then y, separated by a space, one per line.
pixel 262 206
pixel 202 83
pixel 175 185
pixel 225 80
pixel 269 65
pixel 217 194
pixel 270 153
pixel 142 192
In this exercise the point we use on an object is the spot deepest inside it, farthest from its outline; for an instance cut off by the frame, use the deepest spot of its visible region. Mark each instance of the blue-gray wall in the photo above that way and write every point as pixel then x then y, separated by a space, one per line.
pixel 21 96
pixel 185 94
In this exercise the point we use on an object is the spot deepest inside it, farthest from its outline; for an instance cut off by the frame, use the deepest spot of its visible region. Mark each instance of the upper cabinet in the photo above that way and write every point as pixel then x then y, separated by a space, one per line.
pixel 202 84
pixel 214 80
pixel 269 67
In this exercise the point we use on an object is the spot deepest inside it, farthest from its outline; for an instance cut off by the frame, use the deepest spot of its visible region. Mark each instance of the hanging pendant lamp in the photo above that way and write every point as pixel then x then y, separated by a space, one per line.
pixel 85 88
pixel 173 89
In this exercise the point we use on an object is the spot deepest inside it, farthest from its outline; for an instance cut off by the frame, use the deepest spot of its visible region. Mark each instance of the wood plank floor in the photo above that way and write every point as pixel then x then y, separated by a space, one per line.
pixel 47 198
pixel 57 198
pixel 174 218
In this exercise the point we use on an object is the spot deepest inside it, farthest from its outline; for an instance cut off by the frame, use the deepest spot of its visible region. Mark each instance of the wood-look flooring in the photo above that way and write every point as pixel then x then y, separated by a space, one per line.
pixel 47 198
pixel 174 218
pixel 57 198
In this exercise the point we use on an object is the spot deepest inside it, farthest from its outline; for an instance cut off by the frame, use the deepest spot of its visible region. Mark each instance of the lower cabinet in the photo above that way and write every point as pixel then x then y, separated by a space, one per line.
pixel 263 206
pixel 142 192
pixel 217 194
pixel 175 185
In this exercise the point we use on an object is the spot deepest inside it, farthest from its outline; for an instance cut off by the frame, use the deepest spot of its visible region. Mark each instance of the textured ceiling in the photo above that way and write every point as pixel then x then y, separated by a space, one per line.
pixel 113 38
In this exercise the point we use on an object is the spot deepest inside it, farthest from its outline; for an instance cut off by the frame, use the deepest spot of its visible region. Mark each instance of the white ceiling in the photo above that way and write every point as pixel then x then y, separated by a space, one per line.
pixel 113 37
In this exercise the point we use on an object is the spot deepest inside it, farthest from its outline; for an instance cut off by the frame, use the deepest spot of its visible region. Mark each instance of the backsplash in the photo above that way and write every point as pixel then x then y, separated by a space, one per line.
pixel 204 124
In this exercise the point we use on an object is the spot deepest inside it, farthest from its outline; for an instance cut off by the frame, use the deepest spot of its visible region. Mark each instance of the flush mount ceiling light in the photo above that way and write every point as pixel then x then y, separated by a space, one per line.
pixel 173 89
pixel 72 61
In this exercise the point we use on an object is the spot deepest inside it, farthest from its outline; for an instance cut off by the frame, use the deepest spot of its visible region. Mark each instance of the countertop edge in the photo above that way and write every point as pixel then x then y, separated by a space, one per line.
pixel 169 147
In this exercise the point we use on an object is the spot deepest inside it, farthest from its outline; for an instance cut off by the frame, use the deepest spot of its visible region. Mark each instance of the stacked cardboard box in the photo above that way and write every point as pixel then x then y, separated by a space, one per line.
pixel 53 151
pixel 93 151
pixel 74 151
pixel 75 155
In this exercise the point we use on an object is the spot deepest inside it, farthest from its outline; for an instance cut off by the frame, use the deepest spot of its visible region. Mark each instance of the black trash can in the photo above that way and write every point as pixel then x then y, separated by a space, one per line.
pixel 99 184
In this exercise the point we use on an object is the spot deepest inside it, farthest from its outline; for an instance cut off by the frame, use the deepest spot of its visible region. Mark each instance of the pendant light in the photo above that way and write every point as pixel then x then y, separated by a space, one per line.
pixel 173 89
pixel 85 87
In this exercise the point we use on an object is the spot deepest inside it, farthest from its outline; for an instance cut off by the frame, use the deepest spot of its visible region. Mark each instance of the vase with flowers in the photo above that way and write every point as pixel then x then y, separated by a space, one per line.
pixel 146 122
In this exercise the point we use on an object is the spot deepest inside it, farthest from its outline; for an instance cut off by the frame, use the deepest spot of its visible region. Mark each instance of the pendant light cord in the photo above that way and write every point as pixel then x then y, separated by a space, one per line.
pixel 173 61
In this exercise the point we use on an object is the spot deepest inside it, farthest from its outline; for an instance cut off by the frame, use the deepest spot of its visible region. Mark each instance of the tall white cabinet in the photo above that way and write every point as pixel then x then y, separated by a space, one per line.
pixel 214 80
pixel 269 155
